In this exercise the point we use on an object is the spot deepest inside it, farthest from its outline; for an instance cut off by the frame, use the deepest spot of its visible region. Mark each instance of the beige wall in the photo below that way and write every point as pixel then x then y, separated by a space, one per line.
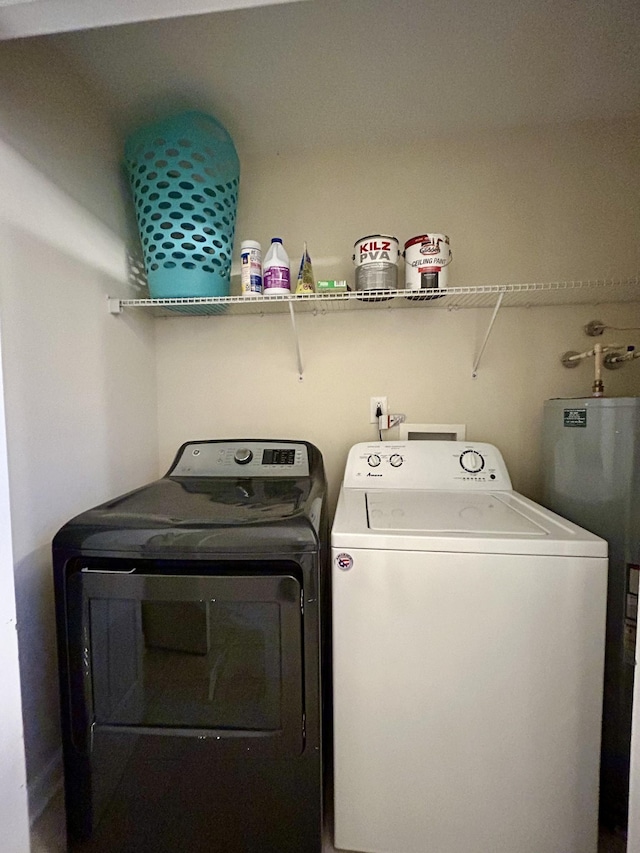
pixel 528 205
pixel 237 376
pixel 79 383
pixel 62 127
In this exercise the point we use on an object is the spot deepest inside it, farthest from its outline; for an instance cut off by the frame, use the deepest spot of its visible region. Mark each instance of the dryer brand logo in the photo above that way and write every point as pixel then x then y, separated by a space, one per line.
pixel 344 562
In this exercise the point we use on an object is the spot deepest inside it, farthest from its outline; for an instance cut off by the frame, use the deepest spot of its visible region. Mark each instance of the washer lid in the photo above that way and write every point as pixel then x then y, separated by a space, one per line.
pixel 481 522
pixel 479 513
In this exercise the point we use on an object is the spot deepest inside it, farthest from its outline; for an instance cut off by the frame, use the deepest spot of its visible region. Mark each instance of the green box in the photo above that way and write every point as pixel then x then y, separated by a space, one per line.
pixel 331 286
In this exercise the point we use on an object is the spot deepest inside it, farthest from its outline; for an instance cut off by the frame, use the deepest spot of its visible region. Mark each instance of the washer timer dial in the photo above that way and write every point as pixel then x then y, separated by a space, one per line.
pixel 471 461
pixel 373 460
pixel 396 460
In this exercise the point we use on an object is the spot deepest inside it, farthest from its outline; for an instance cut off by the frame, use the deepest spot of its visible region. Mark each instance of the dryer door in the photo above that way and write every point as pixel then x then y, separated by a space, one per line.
pixel 208 655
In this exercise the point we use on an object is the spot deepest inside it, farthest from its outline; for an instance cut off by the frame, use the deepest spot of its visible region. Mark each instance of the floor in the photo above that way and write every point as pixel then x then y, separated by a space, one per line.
pixel 48 834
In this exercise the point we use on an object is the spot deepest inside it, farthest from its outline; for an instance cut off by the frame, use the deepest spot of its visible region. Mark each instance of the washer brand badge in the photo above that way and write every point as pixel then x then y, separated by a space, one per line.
pixel 373 475
pixel 575 417
pixel 344 561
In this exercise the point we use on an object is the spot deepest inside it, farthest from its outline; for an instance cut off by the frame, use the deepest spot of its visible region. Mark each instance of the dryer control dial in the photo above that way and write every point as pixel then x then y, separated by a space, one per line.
pixel 396 460
pixel 373 460
pixel 471 461
pixel 243 456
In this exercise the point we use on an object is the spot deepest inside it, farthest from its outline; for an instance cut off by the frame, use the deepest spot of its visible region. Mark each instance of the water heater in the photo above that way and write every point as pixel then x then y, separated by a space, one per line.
pixel 591 475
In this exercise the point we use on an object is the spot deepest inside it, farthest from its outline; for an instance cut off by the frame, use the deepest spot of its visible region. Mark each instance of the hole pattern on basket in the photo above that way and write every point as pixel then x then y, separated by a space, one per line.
pixel 180 183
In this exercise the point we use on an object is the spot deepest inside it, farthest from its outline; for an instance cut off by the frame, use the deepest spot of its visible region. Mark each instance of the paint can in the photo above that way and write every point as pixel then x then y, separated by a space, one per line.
pixel 376 261
pixel 427 258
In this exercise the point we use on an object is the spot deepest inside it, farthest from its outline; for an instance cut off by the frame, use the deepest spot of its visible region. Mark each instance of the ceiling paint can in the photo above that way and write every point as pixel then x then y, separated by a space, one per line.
pixel 427 258
pixel 376 262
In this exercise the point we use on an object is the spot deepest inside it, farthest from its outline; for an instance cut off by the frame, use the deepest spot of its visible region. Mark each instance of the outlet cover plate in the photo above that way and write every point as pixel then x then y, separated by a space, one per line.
pixel 374 402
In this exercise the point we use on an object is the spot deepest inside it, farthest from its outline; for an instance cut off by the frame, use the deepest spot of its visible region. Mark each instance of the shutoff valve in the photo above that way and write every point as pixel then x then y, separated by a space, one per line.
pixel 600 353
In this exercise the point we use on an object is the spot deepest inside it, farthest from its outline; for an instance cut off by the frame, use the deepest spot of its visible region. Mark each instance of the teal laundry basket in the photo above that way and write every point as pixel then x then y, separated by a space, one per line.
pixel 184 174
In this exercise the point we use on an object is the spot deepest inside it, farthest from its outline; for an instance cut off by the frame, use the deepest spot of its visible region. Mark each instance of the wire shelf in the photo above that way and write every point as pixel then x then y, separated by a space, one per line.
pixel 587 292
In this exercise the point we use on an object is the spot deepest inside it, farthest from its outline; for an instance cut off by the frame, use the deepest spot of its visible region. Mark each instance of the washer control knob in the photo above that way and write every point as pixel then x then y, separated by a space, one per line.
pixel 471 461
pixel 396 460
pixel 373 460
pixel 243 456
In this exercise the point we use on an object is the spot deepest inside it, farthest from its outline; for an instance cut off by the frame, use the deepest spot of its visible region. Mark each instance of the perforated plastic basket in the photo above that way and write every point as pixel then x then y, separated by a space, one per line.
pixel 184 174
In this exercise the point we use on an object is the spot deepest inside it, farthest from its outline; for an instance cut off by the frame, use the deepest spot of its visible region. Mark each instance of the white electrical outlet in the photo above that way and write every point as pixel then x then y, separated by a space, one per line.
pixel 374 402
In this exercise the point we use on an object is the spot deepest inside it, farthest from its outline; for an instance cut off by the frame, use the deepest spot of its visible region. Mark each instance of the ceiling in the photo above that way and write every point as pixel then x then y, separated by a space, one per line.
pixel 19 18
pixel 325 73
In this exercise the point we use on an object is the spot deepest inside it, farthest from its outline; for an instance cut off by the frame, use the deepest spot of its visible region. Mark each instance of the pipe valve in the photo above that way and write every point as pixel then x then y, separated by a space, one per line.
pixel 598 353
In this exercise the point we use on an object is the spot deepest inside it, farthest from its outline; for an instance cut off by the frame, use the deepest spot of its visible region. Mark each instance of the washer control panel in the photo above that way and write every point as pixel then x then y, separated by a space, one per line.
pixel 248 458
pixel 374 460
pixel 443 465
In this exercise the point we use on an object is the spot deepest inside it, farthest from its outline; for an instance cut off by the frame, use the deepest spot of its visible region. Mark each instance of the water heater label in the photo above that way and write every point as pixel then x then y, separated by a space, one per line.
pixel 575 417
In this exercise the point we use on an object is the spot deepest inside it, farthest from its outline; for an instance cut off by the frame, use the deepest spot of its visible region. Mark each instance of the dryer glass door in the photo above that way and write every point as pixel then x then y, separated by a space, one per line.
pixel 207 655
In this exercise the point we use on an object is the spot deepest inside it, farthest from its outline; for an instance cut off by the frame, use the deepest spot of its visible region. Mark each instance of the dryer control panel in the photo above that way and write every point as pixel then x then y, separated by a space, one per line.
pixel 246 458
pixel 442 465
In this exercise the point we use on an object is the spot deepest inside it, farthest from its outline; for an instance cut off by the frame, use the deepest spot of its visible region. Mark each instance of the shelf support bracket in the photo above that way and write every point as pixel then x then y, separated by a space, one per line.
pixel 296 340
pixel 114 305
pixel 476 365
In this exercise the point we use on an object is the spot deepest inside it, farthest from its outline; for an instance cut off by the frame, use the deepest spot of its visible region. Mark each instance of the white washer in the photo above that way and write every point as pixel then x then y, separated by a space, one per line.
pixel 468 647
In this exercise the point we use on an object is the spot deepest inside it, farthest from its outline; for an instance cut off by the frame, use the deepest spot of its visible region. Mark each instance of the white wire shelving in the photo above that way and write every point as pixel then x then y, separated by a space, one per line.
pixel 593 291
pixel 496 296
